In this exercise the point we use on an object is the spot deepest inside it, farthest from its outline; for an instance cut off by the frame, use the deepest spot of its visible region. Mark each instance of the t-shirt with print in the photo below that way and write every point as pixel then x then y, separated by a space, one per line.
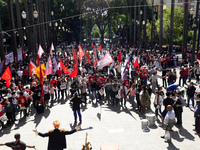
pixel 22 100
pixel 18 146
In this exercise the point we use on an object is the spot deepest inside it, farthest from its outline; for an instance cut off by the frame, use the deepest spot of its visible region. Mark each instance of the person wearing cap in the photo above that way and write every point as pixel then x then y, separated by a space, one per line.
pixel 17 144
pixel 57 140
pixel 190 93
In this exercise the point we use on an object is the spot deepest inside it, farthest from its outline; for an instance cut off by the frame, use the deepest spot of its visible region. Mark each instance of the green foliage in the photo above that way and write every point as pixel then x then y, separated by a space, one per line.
pixel 178 26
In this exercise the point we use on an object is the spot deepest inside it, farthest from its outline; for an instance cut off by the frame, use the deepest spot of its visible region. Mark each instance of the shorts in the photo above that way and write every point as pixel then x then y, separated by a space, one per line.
pixel 46 97
pixel 170 124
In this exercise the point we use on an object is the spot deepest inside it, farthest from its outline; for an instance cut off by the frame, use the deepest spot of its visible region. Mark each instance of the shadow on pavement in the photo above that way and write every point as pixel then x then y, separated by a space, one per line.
pixel 186 134
pixel 171 146
pixel 38 117
pixel 176 136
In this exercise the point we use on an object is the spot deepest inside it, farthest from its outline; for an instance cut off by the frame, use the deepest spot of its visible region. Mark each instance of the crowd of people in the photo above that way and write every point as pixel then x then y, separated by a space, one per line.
pixel 112 85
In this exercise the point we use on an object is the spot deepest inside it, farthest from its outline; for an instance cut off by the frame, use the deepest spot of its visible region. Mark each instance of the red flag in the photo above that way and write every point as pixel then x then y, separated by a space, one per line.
pixel 87 55
pixel 93 45
pixel 119 57
pixel 75 69
pixel 52 48
pixel 24 53
pixel 7 76
pixel 63 67
pixel 128 65
pixel 41 83
pixel 100 47
pixel 48 68
pixel 32 68
pixel 74 54
pixel 95 58
pixel 38 60
pixel 136 64
pixel 80 52
pixel 133 60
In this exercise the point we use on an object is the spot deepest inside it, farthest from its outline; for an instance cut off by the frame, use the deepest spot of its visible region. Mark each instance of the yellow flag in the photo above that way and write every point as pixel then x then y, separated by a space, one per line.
pixel 37 70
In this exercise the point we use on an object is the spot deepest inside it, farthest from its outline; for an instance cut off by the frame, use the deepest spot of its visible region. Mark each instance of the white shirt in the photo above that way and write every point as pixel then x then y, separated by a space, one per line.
pixel 19 73
pixel 46 89
pixel 9 95
pixel 160 100
pixel 169 116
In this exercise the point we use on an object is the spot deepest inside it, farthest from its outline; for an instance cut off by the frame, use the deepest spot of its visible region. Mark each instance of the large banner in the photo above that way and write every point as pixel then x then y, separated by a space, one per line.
pixel 106 60
pixel 9 58
pixel 19 54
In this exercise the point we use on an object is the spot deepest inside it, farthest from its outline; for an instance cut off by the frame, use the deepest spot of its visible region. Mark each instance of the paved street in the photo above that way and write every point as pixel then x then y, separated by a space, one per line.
pixel 105 125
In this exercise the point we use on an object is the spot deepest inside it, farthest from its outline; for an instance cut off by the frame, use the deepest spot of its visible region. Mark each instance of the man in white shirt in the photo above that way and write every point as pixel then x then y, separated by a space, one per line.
pixel 46 94
pixel 169 121
pixel 20 73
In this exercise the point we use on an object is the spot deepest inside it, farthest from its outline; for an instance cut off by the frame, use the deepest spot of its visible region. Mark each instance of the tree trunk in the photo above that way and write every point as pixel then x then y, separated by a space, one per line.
pixel 195 33
pixel 171 27
pixel 12 27
pixel 135 23
pixel 19 23
pixel 130 24
pixel 185 28
pixel 161 26
pixel 46 13
pixel 2 54
pixel 152 24
pixel 139 29
pixel 145 19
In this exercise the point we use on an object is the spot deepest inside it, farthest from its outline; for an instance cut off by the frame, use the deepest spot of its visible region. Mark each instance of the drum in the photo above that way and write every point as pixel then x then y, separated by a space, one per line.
pixel 144 122
pixel 151 119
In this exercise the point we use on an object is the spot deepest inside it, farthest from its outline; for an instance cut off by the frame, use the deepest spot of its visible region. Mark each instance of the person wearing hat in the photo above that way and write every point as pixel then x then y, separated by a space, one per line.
pixel 17 144
pixel 57 140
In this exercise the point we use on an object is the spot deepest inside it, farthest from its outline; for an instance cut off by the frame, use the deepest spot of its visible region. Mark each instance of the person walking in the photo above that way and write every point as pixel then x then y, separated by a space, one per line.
pixel 190 93
pixel 144 99
pixel 57 140
pixel 17 144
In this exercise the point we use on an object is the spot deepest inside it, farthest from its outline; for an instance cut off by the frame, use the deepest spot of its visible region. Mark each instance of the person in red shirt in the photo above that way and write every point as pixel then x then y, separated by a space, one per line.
pixel 1 114
pixel 182 76
pixel 59 72
pixel 145 77
pixel 186 73
pixel 22 103
pixel 127 82
pixel 54 83
pixel 25 74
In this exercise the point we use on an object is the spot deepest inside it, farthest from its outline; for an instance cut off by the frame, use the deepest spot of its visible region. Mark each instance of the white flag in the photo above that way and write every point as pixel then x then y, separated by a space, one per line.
pixel 106 60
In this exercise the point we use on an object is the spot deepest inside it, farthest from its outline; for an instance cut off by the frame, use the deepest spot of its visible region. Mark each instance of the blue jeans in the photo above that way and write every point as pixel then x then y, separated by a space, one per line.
pixel 52 98
pixel 55 93
pixel 79 115
pixel 192 98
pixel 145 81
pixel 94 92
pixel 124 101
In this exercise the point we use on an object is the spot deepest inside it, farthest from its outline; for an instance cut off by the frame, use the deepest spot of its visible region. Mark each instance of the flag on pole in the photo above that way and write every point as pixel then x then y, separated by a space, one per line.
pixel 40 51
pixel 74 53
pixel 124 72
pixel 52 48
pixel 40 69
pixel 63 67
pixel 136 64
pixel 48 69
pixel 75 69
pixel 7 76
pixel 80 52
pixel 55 66
pixel 87 55
pixel 95 58
pixel 93 45
pixel 32 68
pixel 39 54
pixel 104 61
pixel 100 47
pixel 119 57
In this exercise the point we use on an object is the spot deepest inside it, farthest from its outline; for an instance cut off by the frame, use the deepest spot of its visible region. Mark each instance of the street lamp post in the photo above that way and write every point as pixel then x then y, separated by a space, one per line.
pixel 139 30
pixel 35 15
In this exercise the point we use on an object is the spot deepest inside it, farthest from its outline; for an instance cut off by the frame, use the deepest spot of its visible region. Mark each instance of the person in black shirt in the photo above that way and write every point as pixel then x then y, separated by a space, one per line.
pixel 190 93
pixel 17 145
pixel 57 140
pixel 167 101
pixel 164 72
pixel 178 109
